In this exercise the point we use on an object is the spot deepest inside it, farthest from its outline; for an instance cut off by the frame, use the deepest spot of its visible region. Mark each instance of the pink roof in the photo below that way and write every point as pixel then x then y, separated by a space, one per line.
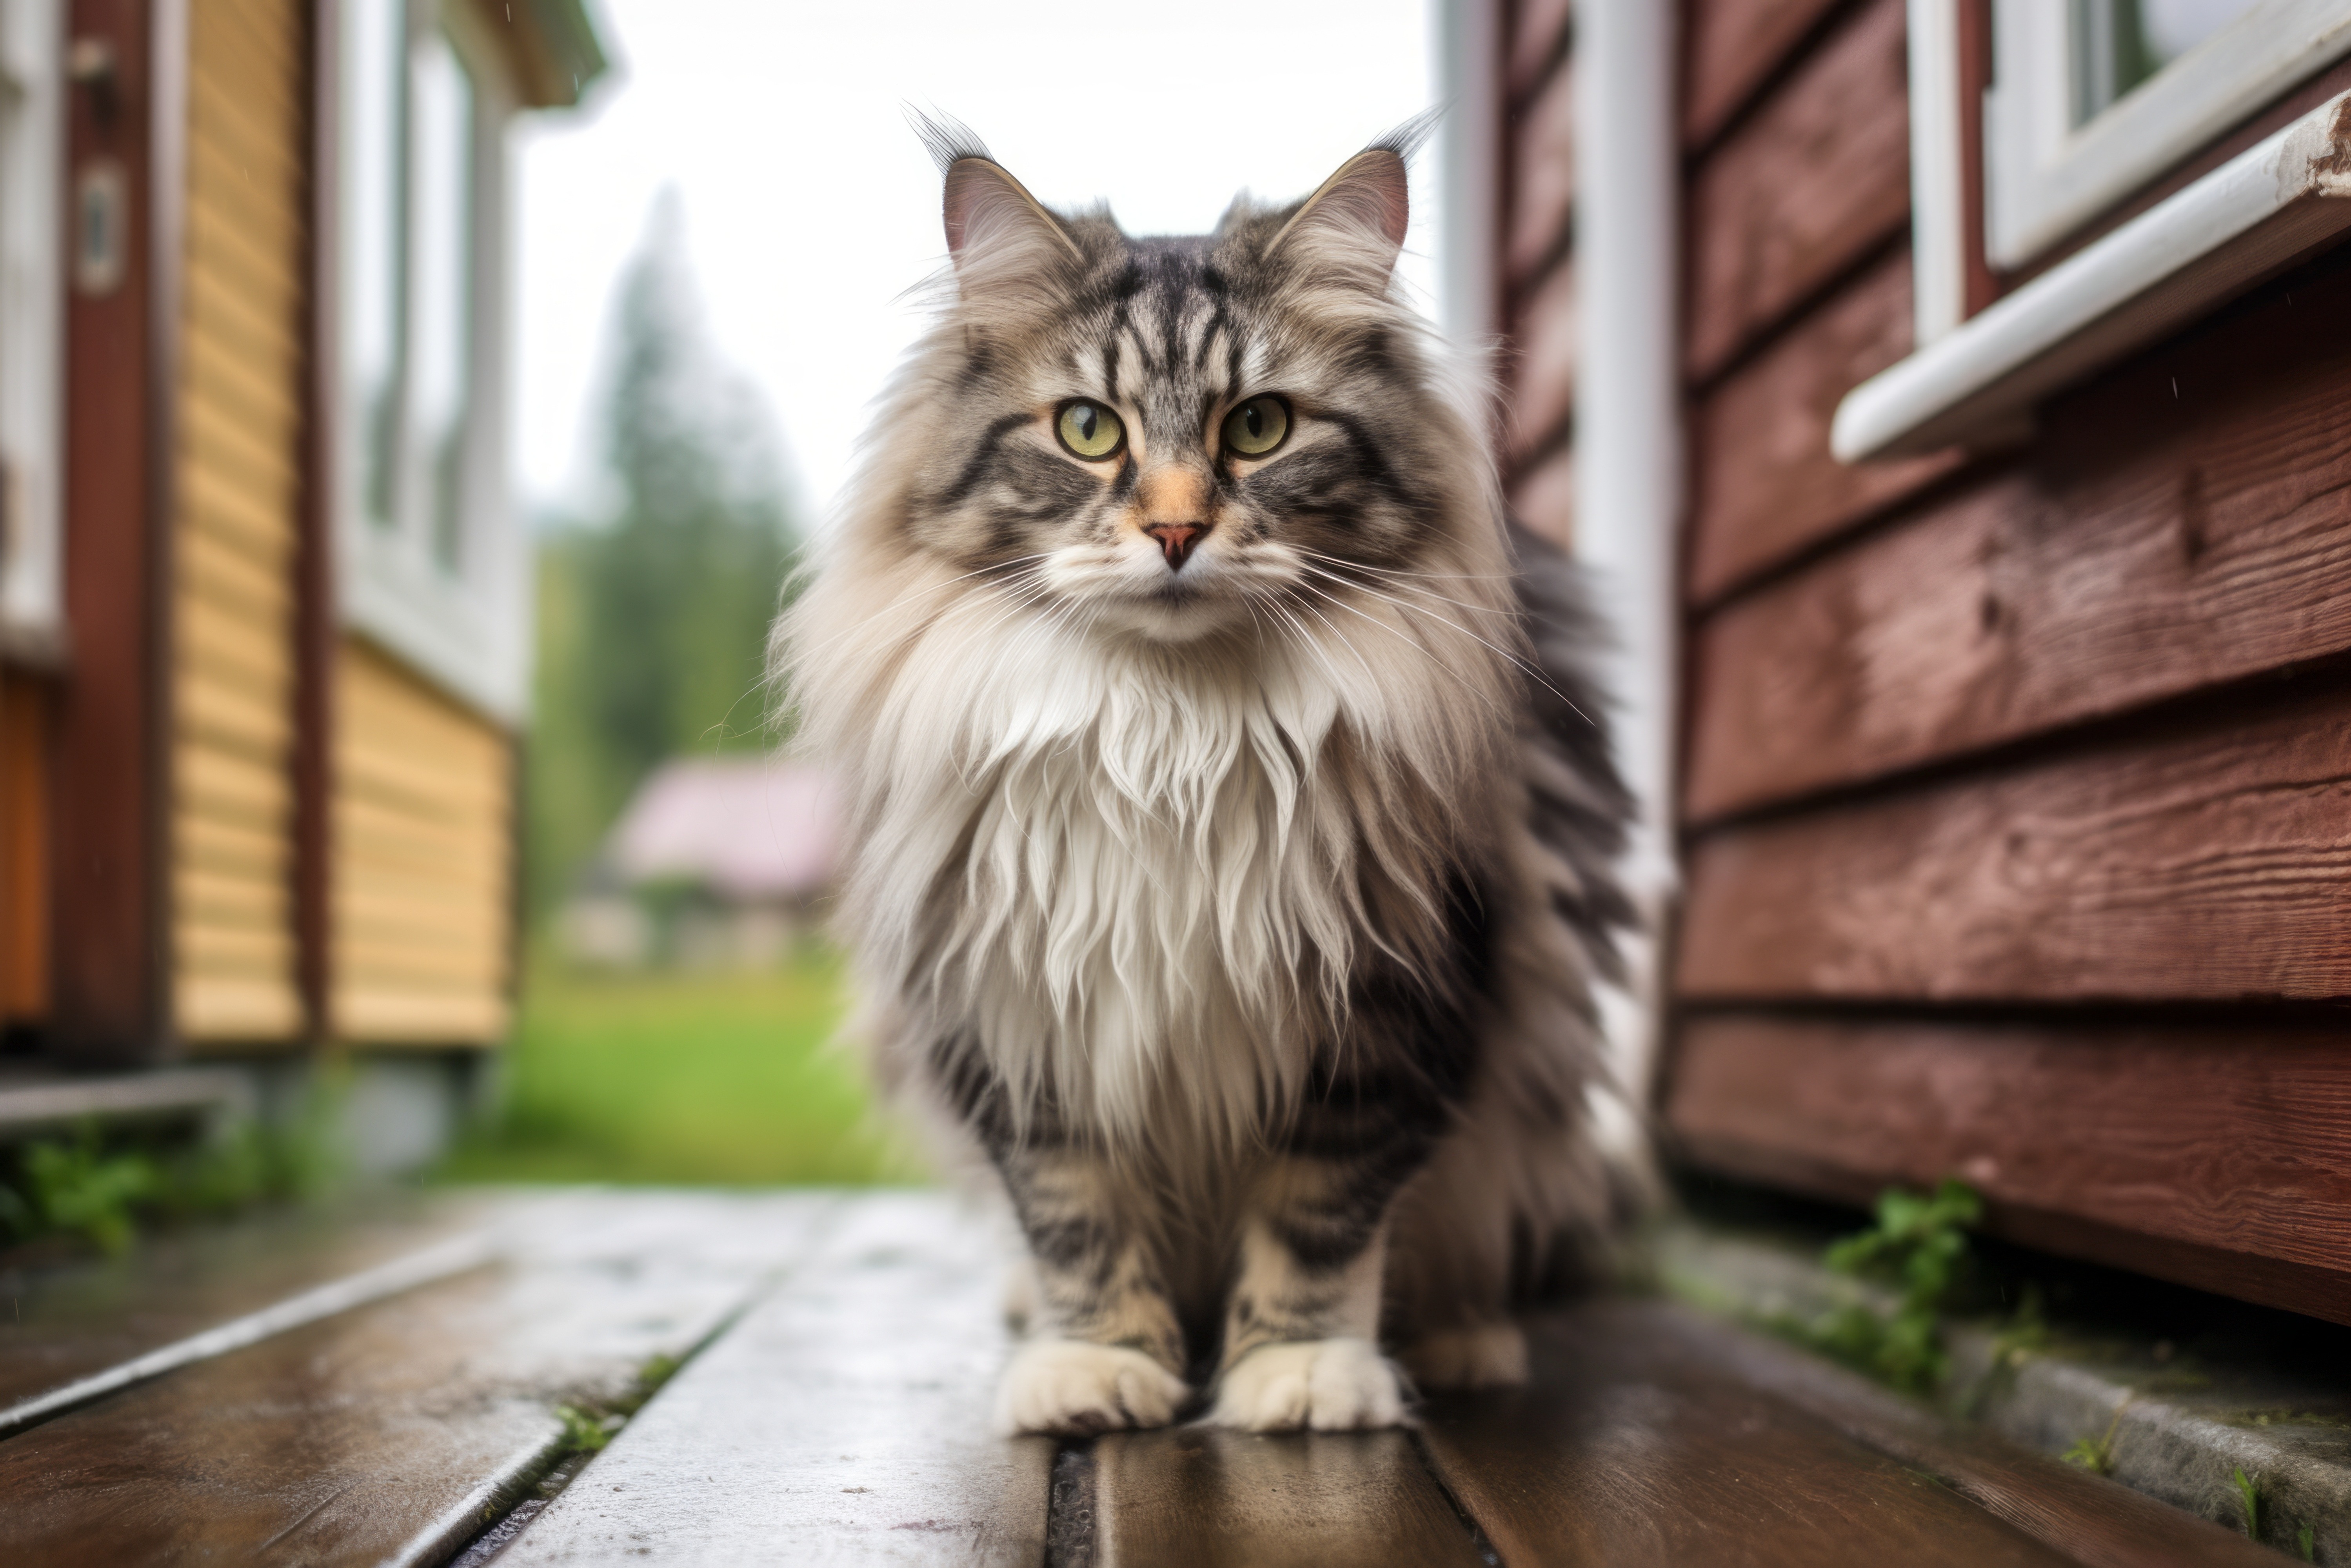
pixel 750 829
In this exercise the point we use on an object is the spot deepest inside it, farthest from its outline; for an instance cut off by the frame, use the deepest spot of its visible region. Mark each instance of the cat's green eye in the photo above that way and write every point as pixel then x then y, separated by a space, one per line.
pixel 1090 431
pixel 1257 426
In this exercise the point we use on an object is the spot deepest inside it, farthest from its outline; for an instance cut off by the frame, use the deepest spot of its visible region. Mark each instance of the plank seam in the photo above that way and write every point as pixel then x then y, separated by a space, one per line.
pixel 1479 1540
pixel 459 1255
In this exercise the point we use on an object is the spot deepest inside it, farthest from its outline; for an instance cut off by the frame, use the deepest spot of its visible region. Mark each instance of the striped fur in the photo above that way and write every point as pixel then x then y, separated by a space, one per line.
pixel 1236 909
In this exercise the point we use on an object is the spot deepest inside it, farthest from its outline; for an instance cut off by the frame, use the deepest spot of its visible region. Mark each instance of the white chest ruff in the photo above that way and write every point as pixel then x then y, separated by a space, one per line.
pixel 1131 872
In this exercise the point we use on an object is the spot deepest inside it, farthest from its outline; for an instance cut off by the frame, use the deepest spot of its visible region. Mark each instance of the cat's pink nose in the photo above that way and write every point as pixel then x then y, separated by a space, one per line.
pixel 1175 540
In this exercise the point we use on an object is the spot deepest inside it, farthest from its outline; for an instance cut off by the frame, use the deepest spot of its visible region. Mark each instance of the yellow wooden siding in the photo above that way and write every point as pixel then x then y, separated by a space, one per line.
pixel 423 861
pixel 238 483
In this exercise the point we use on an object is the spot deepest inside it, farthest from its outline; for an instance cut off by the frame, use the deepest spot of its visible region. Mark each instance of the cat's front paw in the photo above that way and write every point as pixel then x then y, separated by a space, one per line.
pixel 1329 1384
pixel 1068 1385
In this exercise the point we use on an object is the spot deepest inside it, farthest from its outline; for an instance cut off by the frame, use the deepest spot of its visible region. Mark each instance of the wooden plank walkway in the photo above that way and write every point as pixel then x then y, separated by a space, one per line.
pixel 832 1409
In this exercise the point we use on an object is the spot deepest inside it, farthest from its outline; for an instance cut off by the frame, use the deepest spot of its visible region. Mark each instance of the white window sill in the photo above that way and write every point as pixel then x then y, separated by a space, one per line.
pixel 444 631
pixel 2246 220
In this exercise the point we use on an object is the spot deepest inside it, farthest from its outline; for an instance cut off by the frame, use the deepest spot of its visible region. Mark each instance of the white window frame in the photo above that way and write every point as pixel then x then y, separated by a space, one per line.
pixel 1976 382
pixel 2044 177
pixel 466 630
pixel 32 307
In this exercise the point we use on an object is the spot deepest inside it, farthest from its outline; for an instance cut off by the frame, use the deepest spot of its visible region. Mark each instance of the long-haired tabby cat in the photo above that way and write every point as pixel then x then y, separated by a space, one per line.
pixel 1230 824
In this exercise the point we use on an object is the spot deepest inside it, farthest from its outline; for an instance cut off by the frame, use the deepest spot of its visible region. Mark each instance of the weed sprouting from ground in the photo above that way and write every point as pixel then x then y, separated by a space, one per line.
pixel 1919 1244
pixel 2253 1496
pixel 2096 1455
pixel 102 1185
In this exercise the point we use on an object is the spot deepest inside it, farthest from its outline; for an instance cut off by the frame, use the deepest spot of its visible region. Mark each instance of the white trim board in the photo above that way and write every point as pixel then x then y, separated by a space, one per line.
pixel 2044 177
pixel 2254 215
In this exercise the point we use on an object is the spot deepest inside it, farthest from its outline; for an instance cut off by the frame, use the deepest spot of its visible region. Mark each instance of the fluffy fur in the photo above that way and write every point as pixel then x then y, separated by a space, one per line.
pixel 1237 908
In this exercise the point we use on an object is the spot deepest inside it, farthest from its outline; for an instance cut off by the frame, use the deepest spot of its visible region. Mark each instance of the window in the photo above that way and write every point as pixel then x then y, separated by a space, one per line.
pixel 2091 99
pixel 32 47
pixel 426 567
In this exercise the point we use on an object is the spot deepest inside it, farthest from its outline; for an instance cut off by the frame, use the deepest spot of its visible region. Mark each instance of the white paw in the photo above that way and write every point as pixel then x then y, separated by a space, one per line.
pixel 1488 1355
pixel 1069 1385
pixel 1329 1384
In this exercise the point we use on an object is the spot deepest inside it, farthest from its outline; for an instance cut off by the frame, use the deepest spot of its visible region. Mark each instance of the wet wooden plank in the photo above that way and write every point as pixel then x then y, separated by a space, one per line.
pixel 2203 861
pixel 844 1420
pixel 1765 484
pixel 2184 522
pixel 2221 1158
pixel 67 1320
pixel 1731 46
pixel 1818 178
pixel 382 1435
pixel 1623 1451
pixel 1200 1498
pixel 2090 1520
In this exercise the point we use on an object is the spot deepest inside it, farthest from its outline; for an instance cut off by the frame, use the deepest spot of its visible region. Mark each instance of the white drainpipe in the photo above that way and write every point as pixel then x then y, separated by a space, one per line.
pixel 1628 437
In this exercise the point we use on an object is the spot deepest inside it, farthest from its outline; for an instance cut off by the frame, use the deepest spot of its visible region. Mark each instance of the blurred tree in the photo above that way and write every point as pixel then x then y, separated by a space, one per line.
pixel 652 618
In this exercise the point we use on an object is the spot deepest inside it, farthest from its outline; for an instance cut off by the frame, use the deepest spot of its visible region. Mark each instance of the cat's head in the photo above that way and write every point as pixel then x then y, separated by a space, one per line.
pixel 1173 436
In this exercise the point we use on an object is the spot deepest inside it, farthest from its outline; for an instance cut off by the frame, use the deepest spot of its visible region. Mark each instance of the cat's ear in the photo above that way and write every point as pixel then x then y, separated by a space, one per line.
pixel 992 218
pixel 1354 221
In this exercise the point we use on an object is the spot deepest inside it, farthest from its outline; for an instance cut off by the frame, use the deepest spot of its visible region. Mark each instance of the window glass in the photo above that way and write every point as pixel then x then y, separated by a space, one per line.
pixel 441 292
pixel 374 38
pixel 2119 44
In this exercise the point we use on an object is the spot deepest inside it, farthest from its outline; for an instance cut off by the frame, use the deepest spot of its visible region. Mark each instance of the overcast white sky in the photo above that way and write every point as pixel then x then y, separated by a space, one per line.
pixel 809 207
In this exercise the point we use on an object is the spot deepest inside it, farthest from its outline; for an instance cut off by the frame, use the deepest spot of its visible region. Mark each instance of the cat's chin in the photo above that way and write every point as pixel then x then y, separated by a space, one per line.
pixel 1177 618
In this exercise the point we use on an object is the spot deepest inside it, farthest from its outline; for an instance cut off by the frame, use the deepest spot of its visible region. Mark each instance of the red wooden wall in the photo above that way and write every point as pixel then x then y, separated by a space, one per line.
pixel 2016 801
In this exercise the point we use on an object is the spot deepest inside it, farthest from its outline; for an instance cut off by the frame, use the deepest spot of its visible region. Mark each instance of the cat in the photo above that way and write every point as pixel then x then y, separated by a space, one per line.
pixel 1231 818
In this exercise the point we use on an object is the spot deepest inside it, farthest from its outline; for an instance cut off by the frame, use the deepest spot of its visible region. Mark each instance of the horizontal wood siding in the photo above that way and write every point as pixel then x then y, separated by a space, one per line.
pixel 238 483
pixel 1817 179
pixel 422 875
pixel 2216 1158
pixel 1544 186
pixel 1537 272
pixel 2058 734
pixel 1766 486
pixel 2188 524
pixel 2210 861
pixel 1730 48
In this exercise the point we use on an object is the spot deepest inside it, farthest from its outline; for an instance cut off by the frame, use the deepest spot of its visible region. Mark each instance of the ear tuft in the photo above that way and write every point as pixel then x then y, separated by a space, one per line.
pixel 985 208
pixel 1356 219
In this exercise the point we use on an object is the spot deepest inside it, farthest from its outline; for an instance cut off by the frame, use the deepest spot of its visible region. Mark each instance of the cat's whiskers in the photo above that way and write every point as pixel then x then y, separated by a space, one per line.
pixel 1525 666
pixel 1415 645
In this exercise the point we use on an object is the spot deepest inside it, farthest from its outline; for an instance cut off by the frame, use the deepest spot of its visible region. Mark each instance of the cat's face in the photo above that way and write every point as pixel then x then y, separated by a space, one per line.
pixel 1169 437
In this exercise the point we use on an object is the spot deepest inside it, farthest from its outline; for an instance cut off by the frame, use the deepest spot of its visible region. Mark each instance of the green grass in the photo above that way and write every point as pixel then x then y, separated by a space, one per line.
pixel 682 1077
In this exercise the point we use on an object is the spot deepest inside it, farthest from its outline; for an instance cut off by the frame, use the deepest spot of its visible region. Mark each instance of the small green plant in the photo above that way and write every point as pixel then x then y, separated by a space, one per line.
pixel 83 1188
pixel 103 1186
pixel 584 1433
pixel 2253 1496
pixel 2307 1540
pixel 2096 1455
pixel 1919 1244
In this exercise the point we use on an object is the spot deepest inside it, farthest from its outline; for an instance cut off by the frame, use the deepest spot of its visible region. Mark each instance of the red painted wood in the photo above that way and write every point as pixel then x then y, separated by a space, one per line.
pixel 1543 182
pixel 110 863
pixel 1729 47
pixel 1765 484
pixel 2184 522
pixel 1536 44
pixel 1817 179
pixel 2221 1158
pixel 2207 861
pixel 1543 365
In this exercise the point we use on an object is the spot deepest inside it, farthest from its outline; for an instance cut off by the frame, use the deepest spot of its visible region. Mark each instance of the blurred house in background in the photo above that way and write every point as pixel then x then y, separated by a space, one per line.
pixel 262 607
pixel 716 861
pixel 1951 395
